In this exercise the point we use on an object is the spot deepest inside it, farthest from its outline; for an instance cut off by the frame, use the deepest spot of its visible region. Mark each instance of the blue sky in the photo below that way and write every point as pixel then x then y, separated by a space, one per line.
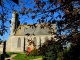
pixel 25 18
pixel 22 18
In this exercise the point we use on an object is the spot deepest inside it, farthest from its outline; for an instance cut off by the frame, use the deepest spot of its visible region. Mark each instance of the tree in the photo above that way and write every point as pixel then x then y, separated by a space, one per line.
pixel 75 47
pixel 41 10
pixel 50 49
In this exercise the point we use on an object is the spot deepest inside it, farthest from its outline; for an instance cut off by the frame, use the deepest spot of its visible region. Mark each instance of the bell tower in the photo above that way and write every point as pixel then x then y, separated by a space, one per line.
pixel 14 23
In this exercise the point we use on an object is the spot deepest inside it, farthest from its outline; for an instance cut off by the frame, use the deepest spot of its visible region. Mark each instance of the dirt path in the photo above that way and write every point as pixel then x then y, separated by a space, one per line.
pixel 11 57
pixel 38 59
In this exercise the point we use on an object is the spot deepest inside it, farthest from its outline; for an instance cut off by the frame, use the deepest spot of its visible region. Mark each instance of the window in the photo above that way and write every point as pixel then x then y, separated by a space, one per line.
pixel 19 42
pixel 34 39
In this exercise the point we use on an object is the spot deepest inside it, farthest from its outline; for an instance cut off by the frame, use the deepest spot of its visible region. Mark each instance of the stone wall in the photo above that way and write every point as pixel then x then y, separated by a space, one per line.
pixel 1 48
pixel 16 43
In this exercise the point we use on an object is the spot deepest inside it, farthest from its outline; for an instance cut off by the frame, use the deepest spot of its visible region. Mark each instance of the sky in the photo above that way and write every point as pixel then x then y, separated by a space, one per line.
pixel 22 19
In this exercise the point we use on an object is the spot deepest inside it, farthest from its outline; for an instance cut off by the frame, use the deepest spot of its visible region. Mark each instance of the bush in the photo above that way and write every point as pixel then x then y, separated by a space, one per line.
pixel 73 53
pixel 60 56
pixel 50 50
pixel 34 52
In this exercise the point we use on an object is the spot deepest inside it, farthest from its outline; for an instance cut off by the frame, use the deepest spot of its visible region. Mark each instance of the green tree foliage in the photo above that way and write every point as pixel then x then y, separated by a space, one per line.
pixel 67 54
pixel 50 50
pixel 53 50
pixel 74 51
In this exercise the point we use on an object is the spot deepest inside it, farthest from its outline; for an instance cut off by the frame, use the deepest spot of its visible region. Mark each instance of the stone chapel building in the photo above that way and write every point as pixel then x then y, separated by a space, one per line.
pixel 20 35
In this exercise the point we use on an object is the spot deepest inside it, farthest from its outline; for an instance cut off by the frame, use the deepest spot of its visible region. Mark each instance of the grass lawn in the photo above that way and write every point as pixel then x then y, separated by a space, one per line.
pixel 25 57
pixel 10 53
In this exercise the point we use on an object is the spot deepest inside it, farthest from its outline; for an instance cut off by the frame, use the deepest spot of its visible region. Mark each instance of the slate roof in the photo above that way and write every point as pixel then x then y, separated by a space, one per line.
pixel 31 30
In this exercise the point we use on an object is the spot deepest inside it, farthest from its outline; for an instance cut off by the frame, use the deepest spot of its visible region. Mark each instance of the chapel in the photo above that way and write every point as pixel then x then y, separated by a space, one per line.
pixel 21 35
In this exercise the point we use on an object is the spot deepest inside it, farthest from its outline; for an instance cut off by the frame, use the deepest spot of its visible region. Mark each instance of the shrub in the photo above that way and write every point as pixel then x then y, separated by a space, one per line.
pixel 50 50
pixel 34 52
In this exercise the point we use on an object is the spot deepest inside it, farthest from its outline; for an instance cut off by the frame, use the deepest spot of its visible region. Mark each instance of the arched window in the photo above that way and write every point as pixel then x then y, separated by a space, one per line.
pixel 19 42
pixel 34 39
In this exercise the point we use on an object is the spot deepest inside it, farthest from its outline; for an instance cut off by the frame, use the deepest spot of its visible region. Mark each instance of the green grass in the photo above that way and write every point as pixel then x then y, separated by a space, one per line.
pixel 10 53
pixel 25 57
